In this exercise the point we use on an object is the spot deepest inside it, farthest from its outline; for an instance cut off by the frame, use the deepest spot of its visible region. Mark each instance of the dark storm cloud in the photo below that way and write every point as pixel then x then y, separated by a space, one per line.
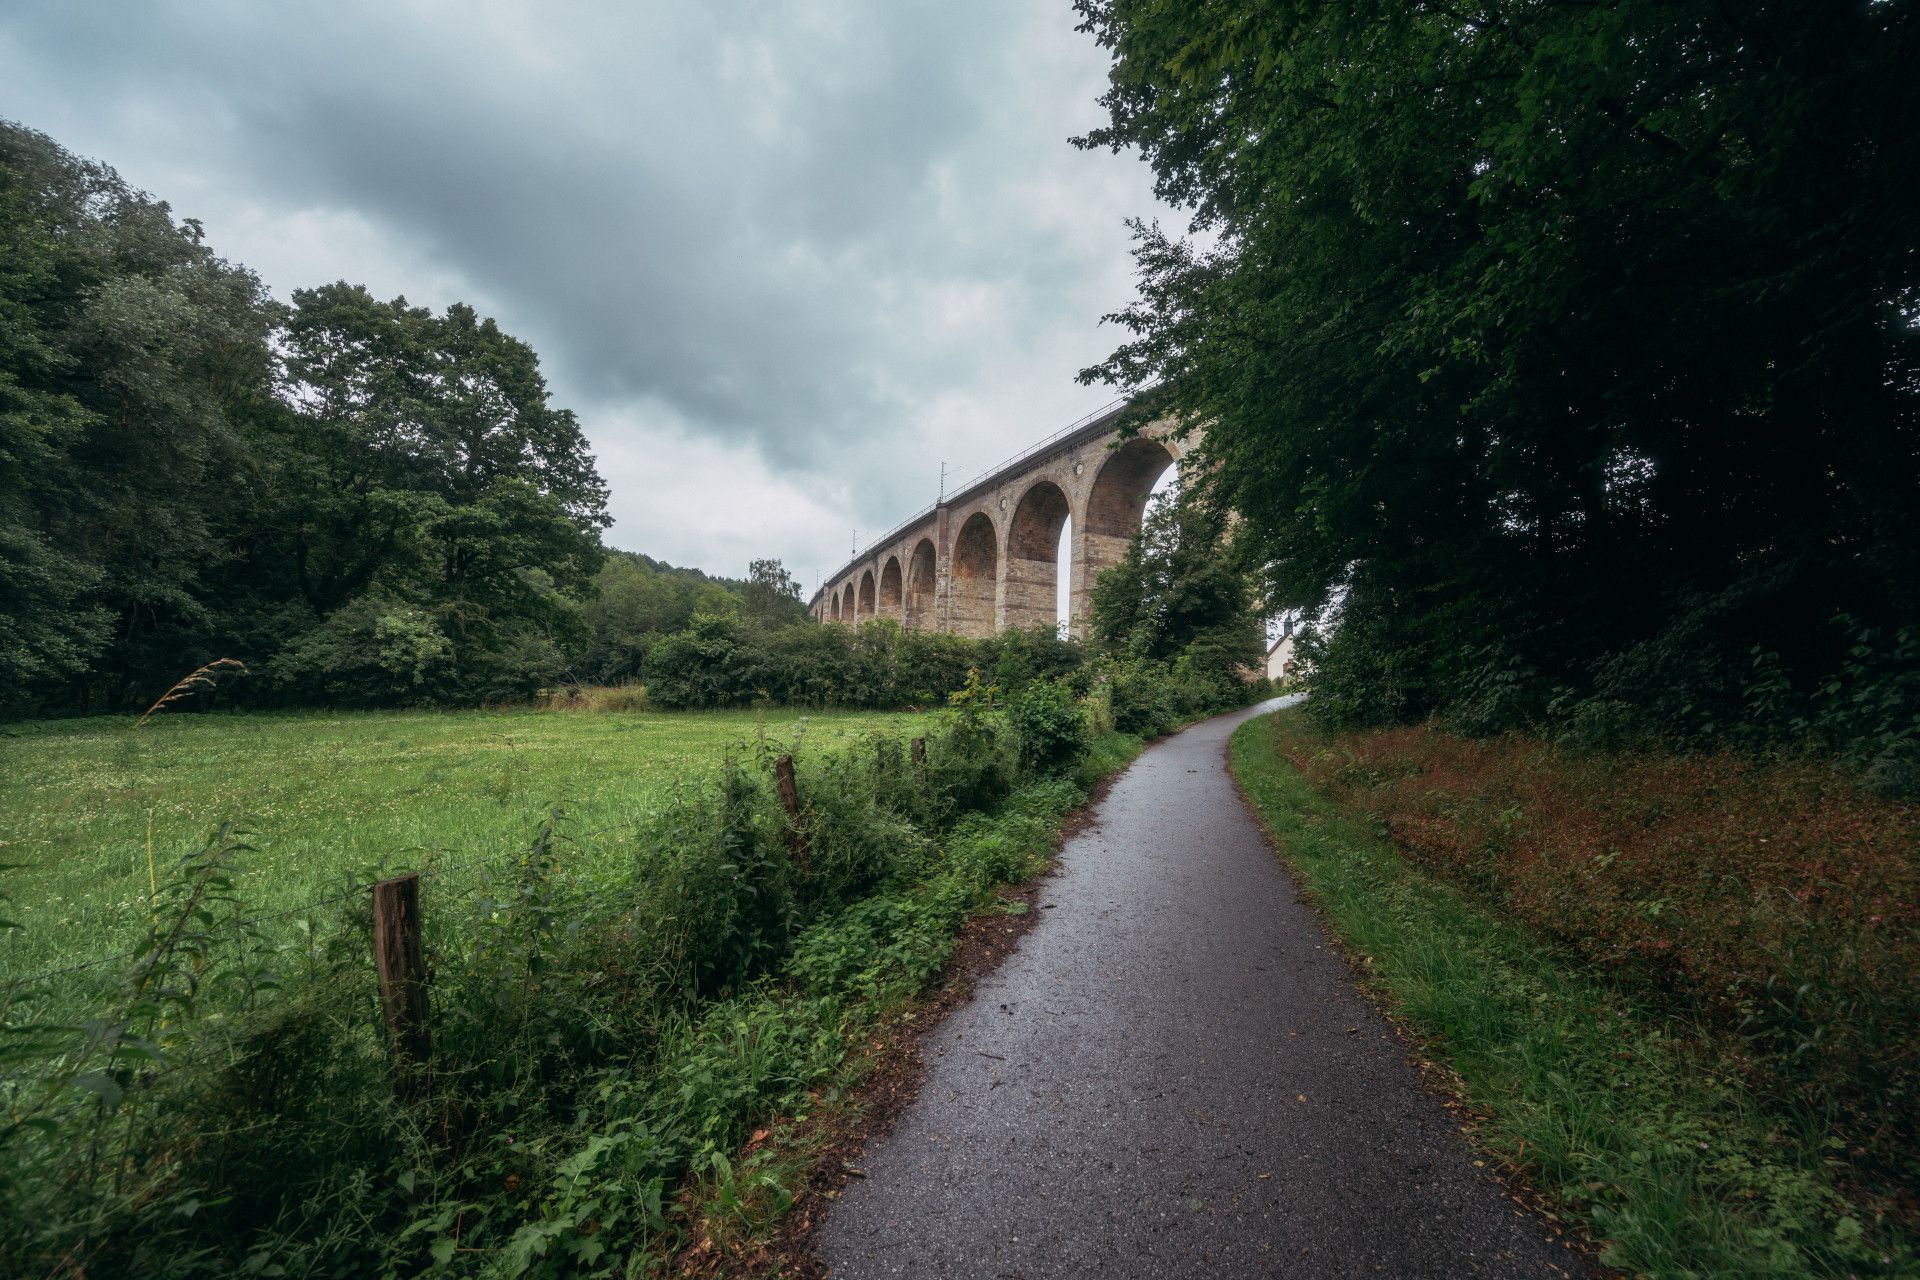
pixel 817 233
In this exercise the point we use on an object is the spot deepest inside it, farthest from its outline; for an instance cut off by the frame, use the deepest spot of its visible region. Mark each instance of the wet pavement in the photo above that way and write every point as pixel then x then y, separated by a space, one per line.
pixel 1175 1076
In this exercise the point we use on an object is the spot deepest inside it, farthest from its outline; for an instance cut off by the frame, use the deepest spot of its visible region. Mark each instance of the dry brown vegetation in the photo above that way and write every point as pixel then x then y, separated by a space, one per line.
pixel 1777 898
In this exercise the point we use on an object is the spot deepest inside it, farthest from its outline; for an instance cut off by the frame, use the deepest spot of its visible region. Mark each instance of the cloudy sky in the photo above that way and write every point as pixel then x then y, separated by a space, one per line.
pixel 783 257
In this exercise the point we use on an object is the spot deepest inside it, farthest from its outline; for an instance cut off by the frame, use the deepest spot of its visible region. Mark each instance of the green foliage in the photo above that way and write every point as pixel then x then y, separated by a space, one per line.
pixel 710 664
pixel 1571 336
pixel 1146 698
pixel 133 368
pixel 424 465
pixel 1051 726
pixel 1019 655
pixel 1639 1119
pixel 770 597
pixel 1141 697
pixel 1178 592
pixel 1175 619
pixel 606 1026
pixel 372 652
pixel 361 500
pixel 722 660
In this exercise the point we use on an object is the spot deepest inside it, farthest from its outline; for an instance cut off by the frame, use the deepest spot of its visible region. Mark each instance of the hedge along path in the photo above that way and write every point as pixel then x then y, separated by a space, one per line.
pixel 1175 1075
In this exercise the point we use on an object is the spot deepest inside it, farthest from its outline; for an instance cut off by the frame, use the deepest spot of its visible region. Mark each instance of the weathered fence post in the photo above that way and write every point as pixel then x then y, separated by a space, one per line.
pixel 401 960
pixel 918 749
pixel 790 801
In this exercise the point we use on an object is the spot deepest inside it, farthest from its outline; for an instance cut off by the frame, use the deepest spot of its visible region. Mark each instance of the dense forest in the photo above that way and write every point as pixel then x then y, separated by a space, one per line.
pixel 1562 359
pixel 363 501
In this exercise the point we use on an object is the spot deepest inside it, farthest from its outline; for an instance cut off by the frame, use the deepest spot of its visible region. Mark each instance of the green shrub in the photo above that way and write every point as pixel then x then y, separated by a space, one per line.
pixel 1050 724
pixel 1141 695
pixel 374 651
pixel 710 664
pixel 718 661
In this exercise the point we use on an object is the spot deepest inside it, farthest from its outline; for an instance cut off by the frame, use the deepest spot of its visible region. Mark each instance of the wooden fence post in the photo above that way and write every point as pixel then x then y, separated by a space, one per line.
pixel 400 957
pixel 918 749
pixel 790 801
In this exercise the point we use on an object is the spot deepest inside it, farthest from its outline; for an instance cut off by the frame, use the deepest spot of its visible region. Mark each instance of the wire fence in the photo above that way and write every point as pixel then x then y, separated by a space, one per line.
pixel 429 872
pixel 433 872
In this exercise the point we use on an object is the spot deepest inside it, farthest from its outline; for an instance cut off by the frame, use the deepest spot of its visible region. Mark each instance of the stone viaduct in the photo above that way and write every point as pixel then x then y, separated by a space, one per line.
pixel 986 558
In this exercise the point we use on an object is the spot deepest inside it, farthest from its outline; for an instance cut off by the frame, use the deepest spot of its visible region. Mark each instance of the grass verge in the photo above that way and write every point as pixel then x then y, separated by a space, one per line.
pixel 1632 1121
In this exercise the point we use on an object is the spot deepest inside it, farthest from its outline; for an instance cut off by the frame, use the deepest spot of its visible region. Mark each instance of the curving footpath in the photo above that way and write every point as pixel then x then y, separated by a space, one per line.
pixel 1175 1076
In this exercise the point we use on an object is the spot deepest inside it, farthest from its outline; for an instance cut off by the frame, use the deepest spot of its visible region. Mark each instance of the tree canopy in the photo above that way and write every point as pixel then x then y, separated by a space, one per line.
pixel 1567 340
pixel 1180 592
pixel 364 501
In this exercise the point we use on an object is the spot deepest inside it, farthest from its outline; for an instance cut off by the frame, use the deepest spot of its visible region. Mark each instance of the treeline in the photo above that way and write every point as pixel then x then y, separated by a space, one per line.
pixel 1174 633
pixel 638 601
pixel 364 501
pixel 1562 360
pixel 368 503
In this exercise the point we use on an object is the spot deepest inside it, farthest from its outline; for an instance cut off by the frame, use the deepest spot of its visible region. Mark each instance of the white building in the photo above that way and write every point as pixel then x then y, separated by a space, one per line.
pixel 1280 637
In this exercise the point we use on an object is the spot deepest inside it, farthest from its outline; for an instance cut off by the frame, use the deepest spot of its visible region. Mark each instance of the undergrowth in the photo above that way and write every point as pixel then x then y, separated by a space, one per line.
pixel 1621 1089
pixel 604 1031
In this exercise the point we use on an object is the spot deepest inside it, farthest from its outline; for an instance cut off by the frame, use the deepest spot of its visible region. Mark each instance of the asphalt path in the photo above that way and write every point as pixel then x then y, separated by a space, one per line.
pixel 1174 1075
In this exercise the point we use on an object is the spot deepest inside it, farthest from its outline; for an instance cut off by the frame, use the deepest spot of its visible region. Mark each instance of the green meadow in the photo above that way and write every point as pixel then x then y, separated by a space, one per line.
pixel 95 810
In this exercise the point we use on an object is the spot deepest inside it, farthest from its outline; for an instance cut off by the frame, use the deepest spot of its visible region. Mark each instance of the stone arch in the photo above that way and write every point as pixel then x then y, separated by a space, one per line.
pixel 836 606
pixel 922 574
pixel 1120 491
pixel 1115 504
pixel 972 567
pixel 866 595
pixel 890 584
pixel 1033 547
pixel 847 614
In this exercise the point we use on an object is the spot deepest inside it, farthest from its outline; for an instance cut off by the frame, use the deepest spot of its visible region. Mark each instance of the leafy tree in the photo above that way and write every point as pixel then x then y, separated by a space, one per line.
pixel 423 465
pixel 635 601
pixel 1528 332
pixel 713 663
pixel 363 499
pixel 771 597
pixel 132 362
pixel 1178 592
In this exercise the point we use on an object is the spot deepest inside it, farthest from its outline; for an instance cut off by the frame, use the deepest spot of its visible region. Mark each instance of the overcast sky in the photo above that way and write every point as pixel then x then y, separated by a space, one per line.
pixel 783 257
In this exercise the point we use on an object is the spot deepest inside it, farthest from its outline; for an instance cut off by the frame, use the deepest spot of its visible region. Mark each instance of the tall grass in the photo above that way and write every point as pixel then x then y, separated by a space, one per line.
pixel 606 1024
pixel 329 796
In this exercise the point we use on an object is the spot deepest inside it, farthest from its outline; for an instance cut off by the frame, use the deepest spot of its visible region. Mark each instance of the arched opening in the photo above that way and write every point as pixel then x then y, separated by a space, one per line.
pixel 1033 556
pixel 846 597
pixel 890 589
pixel 1114 507
pixel 1063 582
pixel 922 568
pixel 866 595
pixel 836 606
pixel 971 569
